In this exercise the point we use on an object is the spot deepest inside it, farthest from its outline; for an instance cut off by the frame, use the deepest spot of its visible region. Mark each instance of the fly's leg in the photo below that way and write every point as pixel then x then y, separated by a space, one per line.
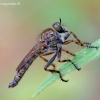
pixel 68 60
pixel 79 39
pixel 45 54
pixel 70 41
pixel 75 36
pixel 51 70
pixel 84 44
pixel 56 71
pixel 53 65
pixel 68 52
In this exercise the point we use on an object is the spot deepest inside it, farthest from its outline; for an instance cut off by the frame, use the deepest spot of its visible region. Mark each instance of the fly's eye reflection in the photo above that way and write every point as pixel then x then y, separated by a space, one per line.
pixel 45 47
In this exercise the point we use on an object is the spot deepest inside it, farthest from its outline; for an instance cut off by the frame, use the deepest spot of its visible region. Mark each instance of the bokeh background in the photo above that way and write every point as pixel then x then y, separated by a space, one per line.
pixel 19 27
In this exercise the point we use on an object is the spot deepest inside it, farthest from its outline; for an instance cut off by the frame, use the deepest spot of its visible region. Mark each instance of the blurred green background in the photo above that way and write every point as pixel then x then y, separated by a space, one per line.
pixel 19 27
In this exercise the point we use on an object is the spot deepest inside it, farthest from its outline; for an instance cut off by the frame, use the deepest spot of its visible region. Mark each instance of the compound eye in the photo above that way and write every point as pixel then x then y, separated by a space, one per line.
pixel 58 27
pixel 65 28
pixel 57 24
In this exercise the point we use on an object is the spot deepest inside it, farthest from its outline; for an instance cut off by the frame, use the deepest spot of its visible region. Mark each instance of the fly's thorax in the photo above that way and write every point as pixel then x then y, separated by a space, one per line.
pixel 59 45
pixel 62 37
pixel 47 33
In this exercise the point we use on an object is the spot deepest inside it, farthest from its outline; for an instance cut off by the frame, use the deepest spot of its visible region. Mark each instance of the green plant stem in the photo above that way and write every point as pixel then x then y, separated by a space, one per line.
pixel 82 58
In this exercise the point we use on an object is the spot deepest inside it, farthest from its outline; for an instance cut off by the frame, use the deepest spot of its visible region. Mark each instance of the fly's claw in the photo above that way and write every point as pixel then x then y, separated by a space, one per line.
pixel 75 65
pixel 97 48
pixel 90 46
pixel 93 47
pixel 73 54
pixel 78 69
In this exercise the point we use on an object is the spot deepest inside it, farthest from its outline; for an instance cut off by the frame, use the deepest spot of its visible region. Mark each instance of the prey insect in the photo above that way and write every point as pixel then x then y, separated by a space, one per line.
pixel 50 41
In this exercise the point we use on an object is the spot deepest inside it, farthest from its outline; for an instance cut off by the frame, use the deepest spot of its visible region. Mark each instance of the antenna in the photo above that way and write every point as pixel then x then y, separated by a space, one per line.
pixel 60 20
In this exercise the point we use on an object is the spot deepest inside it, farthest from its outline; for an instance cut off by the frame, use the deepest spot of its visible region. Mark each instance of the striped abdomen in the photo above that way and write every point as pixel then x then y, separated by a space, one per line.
pixel 21 71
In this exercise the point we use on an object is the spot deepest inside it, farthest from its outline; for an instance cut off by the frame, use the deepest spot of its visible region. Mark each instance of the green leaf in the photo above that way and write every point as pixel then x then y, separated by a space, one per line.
pixel 82 58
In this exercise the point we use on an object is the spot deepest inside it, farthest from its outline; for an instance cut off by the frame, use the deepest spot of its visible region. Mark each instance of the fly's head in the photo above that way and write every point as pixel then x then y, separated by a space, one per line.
pixel 60 28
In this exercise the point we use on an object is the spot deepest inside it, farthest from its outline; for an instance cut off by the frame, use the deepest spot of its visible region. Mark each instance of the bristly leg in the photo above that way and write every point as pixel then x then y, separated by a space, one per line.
pixel 83 44
pixel 53 65
pixel 51 70
pixel 45 54
pixel 56 71
pixel 68 60
pixel 72 54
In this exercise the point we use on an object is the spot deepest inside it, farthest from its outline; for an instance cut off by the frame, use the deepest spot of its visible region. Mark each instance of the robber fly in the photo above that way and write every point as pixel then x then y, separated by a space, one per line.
pixel 50 42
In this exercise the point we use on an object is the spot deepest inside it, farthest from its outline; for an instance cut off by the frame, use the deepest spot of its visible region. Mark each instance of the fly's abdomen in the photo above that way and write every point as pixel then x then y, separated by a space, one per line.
pixel 22 71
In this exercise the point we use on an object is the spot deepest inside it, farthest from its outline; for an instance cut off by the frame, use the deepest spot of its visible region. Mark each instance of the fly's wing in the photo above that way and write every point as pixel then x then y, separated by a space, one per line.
pixel 32 52
pixel 35 49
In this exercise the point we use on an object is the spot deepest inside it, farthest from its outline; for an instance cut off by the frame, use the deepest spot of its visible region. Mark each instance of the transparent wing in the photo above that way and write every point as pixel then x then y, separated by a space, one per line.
pixel 31 54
